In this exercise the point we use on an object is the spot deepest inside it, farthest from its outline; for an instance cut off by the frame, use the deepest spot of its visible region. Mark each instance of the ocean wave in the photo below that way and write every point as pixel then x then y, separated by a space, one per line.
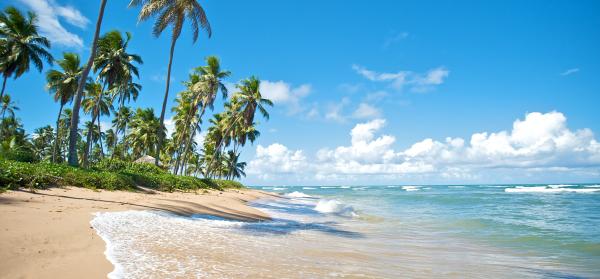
pixel 297 194
pixel 335 207
pixel 279 189
pixel 560 185
pixel 544 189
pixel 392 186
pixel 456 186
pixel 328 187
pixel 309 188
pixel 593 186
pixel 410 188
pixel 345 187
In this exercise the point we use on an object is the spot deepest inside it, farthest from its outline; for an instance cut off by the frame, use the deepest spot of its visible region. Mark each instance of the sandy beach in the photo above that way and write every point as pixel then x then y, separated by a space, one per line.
pixel 47 233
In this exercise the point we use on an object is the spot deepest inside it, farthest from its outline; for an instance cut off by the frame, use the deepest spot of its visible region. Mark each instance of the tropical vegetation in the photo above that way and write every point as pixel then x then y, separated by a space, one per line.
pixel 203 146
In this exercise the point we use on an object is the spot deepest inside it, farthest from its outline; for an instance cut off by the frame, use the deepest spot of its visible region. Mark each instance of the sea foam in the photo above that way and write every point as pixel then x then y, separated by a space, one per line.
pixel 297 194
pixel 410 188
pixel 544 189
pixel 335 207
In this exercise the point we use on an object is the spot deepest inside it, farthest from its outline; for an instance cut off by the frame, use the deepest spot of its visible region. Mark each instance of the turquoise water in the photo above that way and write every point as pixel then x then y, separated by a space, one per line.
pixel 552 229
pixel 457 231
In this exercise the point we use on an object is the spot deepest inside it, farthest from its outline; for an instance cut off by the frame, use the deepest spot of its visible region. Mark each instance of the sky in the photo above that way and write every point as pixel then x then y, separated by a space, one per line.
pixel 377 92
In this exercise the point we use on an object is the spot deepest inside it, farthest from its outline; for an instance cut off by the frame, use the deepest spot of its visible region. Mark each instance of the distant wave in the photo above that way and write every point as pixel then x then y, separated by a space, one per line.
pixel 297 194
pixel 345 187
pixel 335 207
pixel 279 188
pixel 456 186
pixel 328 187
pixel 544 189
pixel 309 188
pixel 593 186
pixel 410 188
pixel 392 186
pixel 560 185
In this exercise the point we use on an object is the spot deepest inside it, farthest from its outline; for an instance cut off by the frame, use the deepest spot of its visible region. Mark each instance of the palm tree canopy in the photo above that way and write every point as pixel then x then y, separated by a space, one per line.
pixel 116 66
pixel 7 105
pixel 64 84
pixel 249 99
pixel 173 13
pixel 21 44
pixel 97 102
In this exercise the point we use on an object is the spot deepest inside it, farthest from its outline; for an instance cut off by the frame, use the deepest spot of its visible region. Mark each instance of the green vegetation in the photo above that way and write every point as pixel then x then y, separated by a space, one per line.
pixel 107 174
pixel 103 87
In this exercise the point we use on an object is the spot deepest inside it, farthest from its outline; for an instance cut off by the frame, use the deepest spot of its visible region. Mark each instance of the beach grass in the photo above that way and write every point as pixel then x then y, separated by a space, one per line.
pixel 107 174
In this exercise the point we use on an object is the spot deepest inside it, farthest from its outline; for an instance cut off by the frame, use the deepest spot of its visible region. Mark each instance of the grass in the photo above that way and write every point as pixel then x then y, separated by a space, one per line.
pixel 108 174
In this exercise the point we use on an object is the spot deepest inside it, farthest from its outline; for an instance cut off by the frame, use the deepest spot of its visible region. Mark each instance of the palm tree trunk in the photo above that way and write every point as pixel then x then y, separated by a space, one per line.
pixel 55 146
pixel 100 136
pixel 125 143
pixel 87 143
pixel 77 104
pixel 192 134
pixel 3 87
pixel 164 105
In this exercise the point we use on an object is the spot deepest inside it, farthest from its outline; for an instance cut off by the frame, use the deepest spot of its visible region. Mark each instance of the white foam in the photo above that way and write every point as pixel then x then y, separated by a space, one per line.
pixel 456 186
pixel 309 188
pixel 544 189
pixel 345 187
pixel 392 186
pixel 279 189
pixel 334 207
pixel 297 194
pixel 560 185
pixel 592 186
pixel 410 188
pixel 328 187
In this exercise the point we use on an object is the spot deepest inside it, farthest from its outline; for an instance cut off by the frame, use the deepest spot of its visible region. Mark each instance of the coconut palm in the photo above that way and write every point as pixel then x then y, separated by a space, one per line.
pixel 63 85
pixel 207 87
pixel 21 45
pixel 74 131
pixel 250 99
pixel 42 142
pixel 143 137
pixel 110 137
pixel 97 103
pixel 122 118
pixel 173 14
pixel 233 168
pixel 116 67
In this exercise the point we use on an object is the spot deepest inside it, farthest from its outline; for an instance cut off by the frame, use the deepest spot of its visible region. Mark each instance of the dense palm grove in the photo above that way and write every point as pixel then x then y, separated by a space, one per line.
pixel 105 88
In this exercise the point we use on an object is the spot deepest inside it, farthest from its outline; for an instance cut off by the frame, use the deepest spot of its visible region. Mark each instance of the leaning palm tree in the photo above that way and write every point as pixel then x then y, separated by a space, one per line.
pixel 97 103
pixel 63 85
pixel 174 14
pixel 74 131
pixel 210 82
pixel 143 137
pixel 21 45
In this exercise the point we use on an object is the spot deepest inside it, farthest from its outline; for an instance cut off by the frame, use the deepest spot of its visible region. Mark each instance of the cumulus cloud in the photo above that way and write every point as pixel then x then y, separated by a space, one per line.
pixel 416 82
pixel 281 92
pixel 541 142
pixel 49 15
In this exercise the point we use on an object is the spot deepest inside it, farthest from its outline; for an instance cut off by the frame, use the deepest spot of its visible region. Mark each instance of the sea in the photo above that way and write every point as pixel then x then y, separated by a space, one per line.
pixel 386 231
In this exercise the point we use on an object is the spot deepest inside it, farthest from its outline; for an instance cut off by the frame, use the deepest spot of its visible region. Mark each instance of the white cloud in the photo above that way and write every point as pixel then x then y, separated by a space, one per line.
pixel 415 81
pixel 283 93
pixel 569 72
pixel 541 143
pixel 334 111
pixel 49 13
pixel 394 38
pixel 366 111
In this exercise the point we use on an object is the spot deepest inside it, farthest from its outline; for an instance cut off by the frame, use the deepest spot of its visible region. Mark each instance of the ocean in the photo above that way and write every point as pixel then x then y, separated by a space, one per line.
pixel 395 231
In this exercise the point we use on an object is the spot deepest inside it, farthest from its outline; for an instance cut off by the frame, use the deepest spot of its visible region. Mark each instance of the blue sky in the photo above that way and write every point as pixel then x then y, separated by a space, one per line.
pixel 426 69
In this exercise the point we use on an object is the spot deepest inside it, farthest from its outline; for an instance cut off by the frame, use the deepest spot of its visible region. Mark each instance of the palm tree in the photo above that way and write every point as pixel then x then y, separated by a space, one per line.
pixel 174 14
pixel 210 82
pixel 7 105
pixel 74 131
pixel 250 99
pixel 111 140
pixel 97 103
pixel 234 168
pixel 143 137
pixel 65 121
pixel 116 66
pixel 42 142
pixel 63 85
pixel 21 45
pixel 122 118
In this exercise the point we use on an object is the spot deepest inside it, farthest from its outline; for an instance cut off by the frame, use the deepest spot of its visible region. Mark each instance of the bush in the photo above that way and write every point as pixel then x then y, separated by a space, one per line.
pixel 107 174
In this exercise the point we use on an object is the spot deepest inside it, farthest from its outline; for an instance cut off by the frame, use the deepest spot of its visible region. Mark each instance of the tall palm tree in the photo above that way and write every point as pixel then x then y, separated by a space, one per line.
pixel 21 45
pixel 63 85
pixel 250 99
pixel 208 86
pixel 74 131
pixel 174 14
pixel 65 121
pixel 234 168
pixel 97 103
pixel 7 105
pixel 111 141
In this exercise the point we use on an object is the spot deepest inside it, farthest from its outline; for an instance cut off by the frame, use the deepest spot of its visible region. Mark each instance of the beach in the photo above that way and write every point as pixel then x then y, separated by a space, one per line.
pixel 47 233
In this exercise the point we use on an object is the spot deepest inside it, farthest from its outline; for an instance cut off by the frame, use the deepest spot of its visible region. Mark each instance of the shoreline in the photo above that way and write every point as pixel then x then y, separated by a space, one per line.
pixel 47 233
